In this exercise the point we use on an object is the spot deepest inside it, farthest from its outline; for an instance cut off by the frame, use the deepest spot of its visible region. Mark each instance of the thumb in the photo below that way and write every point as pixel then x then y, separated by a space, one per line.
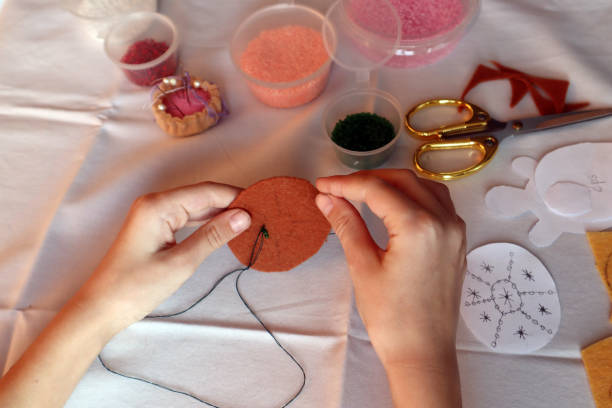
pixel 359 248
pixel 213 235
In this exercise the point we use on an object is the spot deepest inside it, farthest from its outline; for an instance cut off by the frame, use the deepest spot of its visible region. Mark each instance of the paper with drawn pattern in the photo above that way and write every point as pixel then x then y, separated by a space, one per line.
pixel 568 190
pixel 509 301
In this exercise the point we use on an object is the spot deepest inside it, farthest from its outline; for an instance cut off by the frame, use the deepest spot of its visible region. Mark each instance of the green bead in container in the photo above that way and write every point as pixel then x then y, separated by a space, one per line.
pixel 362 132
pixel 363 126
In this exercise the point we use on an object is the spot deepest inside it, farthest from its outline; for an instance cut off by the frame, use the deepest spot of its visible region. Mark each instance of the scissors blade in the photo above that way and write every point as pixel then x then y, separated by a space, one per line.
pixel 556 120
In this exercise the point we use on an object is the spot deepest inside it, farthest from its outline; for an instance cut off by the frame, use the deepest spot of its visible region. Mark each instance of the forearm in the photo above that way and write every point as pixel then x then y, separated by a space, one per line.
pixel 144 266
pixel 432 384
pixel 48 372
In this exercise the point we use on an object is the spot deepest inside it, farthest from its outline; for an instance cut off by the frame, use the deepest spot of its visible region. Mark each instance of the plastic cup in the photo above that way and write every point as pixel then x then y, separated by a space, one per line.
pixel 357 101
pixel 280 94
pixel 427 50
pixel 99 16
pixel 361 42
pixel 138 27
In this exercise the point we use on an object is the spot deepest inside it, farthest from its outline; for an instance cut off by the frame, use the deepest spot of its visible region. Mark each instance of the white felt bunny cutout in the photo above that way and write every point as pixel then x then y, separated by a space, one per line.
pixel 569 190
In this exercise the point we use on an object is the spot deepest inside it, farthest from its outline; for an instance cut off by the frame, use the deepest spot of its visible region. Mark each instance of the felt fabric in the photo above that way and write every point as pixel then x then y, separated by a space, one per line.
pixel 556 89
pixel 483 74
pixel 519 90
pixel 545 106
pixel 182 103
pixel 295 228
pixel 569 107
pixel 601 245
pixel 521 83
pixel 597 359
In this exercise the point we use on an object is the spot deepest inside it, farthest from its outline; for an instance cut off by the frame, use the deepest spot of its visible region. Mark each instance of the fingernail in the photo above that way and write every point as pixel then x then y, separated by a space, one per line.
pixel 324 203
pixel 239 221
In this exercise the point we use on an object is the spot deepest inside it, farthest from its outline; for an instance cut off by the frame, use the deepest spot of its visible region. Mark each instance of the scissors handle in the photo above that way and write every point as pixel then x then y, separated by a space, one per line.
pixel 486 145
pixel 478 120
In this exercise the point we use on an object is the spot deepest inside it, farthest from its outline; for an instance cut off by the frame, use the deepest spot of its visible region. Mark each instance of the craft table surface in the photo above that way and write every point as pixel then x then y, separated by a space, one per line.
pixel 79 144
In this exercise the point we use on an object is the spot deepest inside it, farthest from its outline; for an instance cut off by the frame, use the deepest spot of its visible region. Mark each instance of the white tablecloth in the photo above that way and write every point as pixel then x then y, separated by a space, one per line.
pixel 78 144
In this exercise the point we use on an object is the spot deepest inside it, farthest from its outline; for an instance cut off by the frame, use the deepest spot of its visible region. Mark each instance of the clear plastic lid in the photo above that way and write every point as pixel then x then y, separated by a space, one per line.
pixel 361 35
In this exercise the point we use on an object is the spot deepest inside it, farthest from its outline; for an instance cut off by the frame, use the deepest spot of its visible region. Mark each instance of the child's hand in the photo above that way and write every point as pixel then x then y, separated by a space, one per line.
pixel 145 265
pixel 407 294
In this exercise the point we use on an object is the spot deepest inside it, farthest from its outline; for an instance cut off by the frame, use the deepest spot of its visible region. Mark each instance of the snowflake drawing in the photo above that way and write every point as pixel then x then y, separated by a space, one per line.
pixel 528 275
pixel 486 267
pixel 521 332
pixel 473 294
pixel 523 307
pixel 485 317
pixel 507 297
pixel 543 310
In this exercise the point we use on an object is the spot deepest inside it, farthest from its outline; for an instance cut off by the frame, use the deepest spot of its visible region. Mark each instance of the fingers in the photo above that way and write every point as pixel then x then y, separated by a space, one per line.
pixel 402 200
pixel 389 203
pixel 196 201
pixel 361 251
pixel 188 203
pixel 421 191
pixel 442 193
pixel 155 217
pixel 214 234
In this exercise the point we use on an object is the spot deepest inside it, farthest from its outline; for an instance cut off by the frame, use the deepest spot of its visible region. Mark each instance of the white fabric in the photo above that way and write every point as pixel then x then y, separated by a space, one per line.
pixel 78 144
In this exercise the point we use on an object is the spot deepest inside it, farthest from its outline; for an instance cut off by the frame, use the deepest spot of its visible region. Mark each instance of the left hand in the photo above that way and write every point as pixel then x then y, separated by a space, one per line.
pixel 145 265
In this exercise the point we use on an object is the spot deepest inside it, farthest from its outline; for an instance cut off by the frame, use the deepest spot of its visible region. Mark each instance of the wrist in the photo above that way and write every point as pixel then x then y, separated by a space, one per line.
pixel 414 347
pixel 94 316
pixel 433 359
pixel 425 380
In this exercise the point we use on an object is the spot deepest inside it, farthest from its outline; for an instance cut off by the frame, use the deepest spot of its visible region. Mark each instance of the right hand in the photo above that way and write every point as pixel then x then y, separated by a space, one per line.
pixel 407 294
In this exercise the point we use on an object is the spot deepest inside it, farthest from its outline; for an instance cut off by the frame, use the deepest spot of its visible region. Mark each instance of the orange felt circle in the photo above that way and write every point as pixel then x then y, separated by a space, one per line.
pixel 296 228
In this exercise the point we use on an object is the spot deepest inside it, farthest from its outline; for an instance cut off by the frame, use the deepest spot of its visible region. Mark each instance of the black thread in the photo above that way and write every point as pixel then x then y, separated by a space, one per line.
pixel 255 251
pixel 275 340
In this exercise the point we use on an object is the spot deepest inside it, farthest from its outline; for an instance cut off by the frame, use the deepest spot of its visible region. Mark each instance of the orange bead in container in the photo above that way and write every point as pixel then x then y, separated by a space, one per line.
pixel 279 50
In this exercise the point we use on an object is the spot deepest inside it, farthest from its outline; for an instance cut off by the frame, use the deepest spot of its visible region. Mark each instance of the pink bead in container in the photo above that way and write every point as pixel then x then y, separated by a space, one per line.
pixel 145 46
pixel 430 29
pixel 279 50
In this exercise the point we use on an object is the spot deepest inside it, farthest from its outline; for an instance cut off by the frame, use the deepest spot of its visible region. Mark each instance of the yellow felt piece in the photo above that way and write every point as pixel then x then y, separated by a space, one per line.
pixel 601 245
pixel 597 359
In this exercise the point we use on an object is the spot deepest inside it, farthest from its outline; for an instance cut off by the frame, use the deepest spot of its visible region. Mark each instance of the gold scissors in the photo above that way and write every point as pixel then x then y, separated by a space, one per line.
pixel 481 132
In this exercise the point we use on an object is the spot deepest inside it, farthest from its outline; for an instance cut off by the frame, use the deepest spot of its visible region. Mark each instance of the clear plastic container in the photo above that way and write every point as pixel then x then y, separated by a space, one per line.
pixel 280 94
pixel 361 35
pixel 143 26
pixel 428 49
pixel 357 101
pixel 99 16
